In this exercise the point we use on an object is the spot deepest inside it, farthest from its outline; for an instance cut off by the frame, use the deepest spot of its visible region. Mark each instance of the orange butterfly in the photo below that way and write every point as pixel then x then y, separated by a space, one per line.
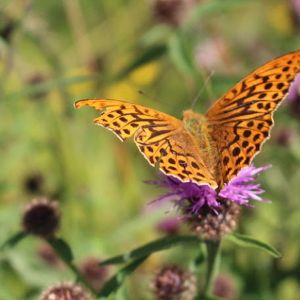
pixel 212 148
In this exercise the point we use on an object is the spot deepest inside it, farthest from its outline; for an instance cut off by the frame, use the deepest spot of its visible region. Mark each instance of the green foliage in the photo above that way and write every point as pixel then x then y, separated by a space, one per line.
pixel 117 280
pixel 250 242
pixel 154 246
pixel 13 240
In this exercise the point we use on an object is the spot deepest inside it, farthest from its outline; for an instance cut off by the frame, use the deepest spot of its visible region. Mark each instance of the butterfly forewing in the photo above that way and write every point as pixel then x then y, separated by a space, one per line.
pixel 241 120
pixel 160 137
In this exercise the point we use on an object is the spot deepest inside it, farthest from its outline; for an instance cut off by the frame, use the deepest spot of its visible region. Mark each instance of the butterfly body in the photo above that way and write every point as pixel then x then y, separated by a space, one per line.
pixel 205 149
pixel 198 126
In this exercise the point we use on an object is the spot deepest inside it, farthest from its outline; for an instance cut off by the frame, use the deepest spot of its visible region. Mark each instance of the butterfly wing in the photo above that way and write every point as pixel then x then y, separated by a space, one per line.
pixel 161 138
pixel 241 120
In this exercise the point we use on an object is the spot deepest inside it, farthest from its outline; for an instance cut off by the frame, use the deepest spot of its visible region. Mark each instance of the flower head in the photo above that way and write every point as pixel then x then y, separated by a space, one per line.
pixel 65 291
pixel 293 97
pixel 169 226
pixel 34 183
pixel 48 255
pixel 243 188
pixel 239 190
pixel 94 274
pixel 41 217
pixel 213 214
pixel 171 12
pixel 179 192
pixel 284 136
pixel 174 283
pixel 225 287
pixel 295 12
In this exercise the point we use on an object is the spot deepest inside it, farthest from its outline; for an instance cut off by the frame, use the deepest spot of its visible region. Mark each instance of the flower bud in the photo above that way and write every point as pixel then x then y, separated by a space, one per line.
pixel 65 291
pixel 174 283
pixel 41 217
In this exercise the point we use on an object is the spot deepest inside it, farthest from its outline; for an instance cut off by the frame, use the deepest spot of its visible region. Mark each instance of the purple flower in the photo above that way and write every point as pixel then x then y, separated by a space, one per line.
pixel 293 98
pixel 243 188
pixel 169 226
pixel 295 12
pixel 195 198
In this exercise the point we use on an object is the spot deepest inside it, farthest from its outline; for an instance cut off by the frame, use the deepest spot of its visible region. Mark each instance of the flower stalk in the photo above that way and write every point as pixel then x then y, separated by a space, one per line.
pixel 213 262
pixel 71 266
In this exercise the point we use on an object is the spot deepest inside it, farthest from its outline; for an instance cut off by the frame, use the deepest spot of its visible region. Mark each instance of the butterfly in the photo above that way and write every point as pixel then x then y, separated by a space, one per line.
pixel 205 149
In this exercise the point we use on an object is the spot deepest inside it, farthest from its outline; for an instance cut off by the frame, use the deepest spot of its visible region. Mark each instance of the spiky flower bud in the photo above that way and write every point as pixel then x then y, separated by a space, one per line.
pixel 7 27
pixel 169 226
pixel 41 217
pixel 212 226
pixel 225 287
pixel 94 274
pixel 171 12
pixel 65 291
pixel 48 255
pixel 33 183
pixel 36 79
pixel 174 283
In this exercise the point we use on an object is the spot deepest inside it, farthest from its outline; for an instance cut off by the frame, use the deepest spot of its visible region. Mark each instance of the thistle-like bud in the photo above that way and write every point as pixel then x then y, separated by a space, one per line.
pixel 7 27
pixel 65 291
pixel 94 274
pixel 36 79
pixel 33 183
pixel 174 283
pixel 48 255
pixel 284 136
pixel 212 226
pixel 41 217
pixel 171 12
pixel 225 287
pixel 169 226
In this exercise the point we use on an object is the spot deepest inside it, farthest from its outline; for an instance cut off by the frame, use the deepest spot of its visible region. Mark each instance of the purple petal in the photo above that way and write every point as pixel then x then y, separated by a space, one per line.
pixel 242 188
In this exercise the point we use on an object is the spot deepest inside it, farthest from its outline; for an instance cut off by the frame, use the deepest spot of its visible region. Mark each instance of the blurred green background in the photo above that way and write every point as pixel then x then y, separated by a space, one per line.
pixel 55 52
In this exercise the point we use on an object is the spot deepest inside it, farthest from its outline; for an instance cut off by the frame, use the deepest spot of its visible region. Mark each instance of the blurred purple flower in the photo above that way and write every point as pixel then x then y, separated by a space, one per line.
pixel 169 226
pixel 284 136
pixel 239 190
pixel 293 97
pixel 295 12
pixel 172 12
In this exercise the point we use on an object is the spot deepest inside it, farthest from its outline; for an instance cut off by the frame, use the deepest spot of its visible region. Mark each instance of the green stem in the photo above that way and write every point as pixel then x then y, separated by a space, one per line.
pixel 72 268
pixel 213 262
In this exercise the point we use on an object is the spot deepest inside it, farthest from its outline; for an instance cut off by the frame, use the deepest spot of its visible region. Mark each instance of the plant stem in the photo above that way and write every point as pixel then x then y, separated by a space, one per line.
pixel 213 262
pixel 72 268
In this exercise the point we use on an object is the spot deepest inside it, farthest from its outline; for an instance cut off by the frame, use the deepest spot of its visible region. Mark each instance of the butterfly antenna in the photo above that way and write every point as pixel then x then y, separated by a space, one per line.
pixel 202 88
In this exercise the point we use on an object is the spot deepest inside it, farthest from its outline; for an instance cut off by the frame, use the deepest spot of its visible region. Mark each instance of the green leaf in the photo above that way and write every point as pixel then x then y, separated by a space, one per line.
pixel 212 8
pixel 61 246
pixel 117 280
pixel 247 241
pixel 145 57
pixel 13 240
pixel 154 246
pixel 180 55
pixel 156 34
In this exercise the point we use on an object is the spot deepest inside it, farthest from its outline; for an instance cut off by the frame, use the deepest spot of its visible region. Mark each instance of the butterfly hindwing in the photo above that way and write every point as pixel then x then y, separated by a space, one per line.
pixel 241 120
pixel 161 138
